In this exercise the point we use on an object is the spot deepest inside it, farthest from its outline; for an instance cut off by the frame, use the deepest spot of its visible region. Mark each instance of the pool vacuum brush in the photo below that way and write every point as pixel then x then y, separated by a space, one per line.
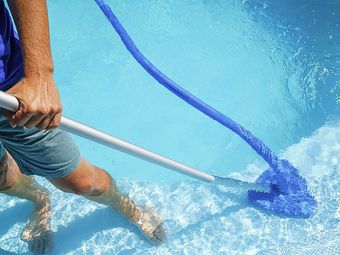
pixel 288 194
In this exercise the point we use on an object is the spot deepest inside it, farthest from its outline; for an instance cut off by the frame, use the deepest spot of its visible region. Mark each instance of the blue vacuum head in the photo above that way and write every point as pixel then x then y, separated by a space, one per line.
pixel 289 193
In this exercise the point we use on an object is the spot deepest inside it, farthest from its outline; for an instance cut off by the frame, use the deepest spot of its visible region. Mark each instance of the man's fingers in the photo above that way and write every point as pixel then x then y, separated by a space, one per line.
pixel 44 123
pixel 55 121
pixel 20 118
pixel 34 121
pixel 41 118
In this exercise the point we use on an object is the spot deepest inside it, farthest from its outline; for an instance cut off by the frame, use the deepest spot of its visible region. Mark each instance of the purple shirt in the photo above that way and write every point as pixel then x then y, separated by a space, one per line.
pixel 11 63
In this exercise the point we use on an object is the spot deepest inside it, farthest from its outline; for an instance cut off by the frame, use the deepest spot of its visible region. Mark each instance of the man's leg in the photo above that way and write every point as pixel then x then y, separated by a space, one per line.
pixel 37 232
pixel 54 155
pixel 97 185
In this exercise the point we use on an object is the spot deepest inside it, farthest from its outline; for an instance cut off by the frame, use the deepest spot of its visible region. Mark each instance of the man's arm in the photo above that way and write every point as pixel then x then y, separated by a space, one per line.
pixel 40 105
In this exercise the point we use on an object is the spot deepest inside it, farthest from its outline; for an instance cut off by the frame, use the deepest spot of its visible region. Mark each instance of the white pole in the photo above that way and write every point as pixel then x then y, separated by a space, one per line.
pixel 123 146
pixel 11 103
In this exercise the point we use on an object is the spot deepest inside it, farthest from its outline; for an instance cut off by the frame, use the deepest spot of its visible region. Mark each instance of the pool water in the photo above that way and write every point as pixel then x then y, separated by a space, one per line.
pixel 273 67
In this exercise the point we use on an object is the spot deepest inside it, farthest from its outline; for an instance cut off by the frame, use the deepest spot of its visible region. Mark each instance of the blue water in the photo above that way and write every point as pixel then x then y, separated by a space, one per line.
pixel 273 67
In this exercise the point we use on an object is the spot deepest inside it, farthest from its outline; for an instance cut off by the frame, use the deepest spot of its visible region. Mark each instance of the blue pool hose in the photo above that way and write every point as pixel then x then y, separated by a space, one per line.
pixel 289 194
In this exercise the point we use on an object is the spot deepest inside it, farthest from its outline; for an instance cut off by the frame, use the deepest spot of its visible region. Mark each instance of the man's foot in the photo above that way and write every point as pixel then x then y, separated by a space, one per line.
pixel 150 223
pixel 37 233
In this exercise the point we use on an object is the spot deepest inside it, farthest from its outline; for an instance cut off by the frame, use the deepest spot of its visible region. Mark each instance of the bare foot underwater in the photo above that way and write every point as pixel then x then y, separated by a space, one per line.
pixel 37 233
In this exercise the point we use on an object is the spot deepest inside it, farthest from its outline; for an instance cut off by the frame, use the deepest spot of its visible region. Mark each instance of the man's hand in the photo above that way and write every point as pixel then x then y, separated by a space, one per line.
pixel 40 104
pixel 39 100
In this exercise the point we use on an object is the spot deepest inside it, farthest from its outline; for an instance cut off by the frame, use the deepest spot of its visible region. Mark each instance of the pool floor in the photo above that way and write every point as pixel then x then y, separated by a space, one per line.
pixel 201 219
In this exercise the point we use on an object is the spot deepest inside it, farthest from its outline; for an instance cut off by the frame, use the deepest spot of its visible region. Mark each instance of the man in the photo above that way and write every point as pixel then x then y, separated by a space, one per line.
pixel 31 144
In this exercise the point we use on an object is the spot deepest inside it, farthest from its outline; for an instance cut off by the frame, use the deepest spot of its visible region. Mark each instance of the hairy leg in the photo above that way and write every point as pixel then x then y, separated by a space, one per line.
pixel 37 232
pixel 97 185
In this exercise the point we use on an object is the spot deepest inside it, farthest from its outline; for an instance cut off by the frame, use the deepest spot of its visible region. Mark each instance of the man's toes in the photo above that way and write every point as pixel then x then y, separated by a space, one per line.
pixel 45 247
pixel 38 244
pixel 44 241
pixel 159 234
pixel 34 246
pixel 48 242
pixel 41 246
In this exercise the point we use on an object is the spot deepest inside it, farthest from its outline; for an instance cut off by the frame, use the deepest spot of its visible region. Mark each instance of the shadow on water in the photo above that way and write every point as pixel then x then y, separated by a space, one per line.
pixel 83 229
pixel 239 200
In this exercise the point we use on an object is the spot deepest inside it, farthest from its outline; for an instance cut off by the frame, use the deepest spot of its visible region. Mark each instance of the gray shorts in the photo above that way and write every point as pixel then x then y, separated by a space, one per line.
pixel 51 154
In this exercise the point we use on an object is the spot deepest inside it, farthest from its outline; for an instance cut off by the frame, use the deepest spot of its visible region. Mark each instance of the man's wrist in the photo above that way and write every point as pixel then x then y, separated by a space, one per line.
pixel 38 72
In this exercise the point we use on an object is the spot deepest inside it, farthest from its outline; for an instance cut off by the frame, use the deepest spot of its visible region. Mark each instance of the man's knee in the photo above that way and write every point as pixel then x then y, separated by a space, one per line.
pixel 85 180
pixel 86 186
